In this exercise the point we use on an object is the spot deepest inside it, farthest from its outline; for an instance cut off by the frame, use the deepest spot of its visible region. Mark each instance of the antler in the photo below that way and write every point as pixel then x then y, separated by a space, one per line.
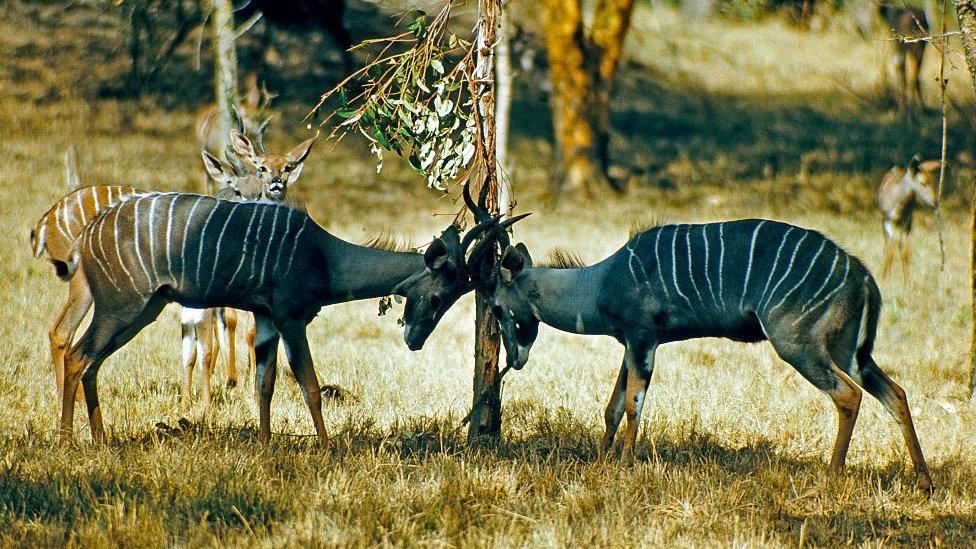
pixel 480 211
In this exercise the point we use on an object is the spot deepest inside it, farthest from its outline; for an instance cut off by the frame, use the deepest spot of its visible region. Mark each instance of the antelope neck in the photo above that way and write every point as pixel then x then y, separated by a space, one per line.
pixel 568 299
pixel 361 272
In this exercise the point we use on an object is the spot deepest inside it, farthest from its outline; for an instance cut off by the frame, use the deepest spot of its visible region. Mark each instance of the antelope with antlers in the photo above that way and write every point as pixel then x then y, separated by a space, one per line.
pixel 746 280
pixel 269 259
pixel 246 118
pixel 902 192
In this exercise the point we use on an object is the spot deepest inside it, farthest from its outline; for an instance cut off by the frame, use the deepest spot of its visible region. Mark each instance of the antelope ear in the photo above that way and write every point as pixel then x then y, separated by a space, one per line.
pixel 297 155
pixel 219 171
pixel 244 148
pixel 913 165
pixel 436 255
pixel 525 253
pixel 512 264
pixel 293 176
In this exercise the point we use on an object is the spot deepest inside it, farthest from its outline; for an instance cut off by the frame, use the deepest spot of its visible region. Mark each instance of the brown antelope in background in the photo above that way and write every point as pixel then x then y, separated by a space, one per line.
pixel 906 61
pixel 54 236
pixel 269 259
pixel 902 192
pixel 246 119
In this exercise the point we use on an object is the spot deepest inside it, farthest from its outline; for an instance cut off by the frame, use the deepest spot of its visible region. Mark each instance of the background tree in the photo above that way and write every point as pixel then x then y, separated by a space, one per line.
pixel 223 36
pixel 583 67
pixel 966 9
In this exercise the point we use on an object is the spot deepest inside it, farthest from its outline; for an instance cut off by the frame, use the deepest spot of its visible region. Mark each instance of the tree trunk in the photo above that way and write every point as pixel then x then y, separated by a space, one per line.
pixel 572 96
pixel 610 26
pixel 967 26
pixel 225 66
pixel 486 414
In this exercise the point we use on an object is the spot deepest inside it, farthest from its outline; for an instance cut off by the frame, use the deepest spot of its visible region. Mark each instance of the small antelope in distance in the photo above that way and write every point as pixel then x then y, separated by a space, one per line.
pixel 903 191
pixel 269 259
pixel 746 280
pixel 906 60
pixel 54 236
pixel 246 117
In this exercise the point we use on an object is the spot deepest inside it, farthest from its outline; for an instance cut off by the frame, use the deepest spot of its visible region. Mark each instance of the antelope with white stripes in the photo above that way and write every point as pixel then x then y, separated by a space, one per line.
pixel 269 259
pixel 54 236
pixel 902 192
pixel 746 280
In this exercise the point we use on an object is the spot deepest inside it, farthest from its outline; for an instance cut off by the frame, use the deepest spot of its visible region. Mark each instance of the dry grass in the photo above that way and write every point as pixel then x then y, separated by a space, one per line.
pixel 733 446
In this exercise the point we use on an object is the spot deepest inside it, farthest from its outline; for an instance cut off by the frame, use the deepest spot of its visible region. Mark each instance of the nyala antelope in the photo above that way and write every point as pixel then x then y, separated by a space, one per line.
pixel 906 61
pixel 746 280
pixel 902 192
pixel 54 236
pixel 267 258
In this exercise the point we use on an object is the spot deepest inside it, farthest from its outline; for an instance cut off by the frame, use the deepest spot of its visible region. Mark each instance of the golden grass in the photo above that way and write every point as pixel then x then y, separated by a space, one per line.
pixel 733 445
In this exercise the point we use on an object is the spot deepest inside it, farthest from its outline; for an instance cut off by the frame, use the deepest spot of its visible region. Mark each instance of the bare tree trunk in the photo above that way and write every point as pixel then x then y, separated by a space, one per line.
pixel 486 414
pixel 967 25
pixel 610 26
pixel 225 65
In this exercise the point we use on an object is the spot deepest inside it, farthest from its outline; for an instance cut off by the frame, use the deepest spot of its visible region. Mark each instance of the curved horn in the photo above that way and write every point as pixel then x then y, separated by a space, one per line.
pixel 477 230
pixel 480 214
pixel 238 118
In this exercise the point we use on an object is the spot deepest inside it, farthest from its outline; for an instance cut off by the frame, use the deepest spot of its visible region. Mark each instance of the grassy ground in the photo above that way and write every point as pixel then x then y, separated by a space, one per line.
pixel 734 443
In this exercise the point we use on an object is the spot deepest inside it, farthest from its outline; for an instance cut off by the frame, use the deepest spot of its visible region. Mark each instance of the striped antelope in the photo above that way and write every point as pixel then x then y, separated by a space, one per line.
pixel 53 237
pixel 746 280
pixel 269 259
pixel 901 193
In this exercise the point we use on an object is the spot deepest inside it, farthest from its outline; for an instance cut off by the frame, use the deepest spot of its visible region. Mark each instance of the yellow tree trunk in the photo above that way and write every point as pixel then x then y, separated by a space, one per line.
pixel 967 25
pixel 583 68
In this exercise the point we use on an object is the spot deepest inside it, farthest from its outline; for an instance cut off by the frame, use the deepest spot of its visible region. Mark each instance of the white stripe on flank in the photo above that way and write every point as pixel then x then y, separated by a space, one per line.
pixel 691 276
pixel 257 249
pixel 247 235
pixel 169 239
pixel 775 263
pixel 137 222
pixel 271 240
pixel 152 240
pixel 833 266
pixel 101 223
pixel 81 209
pixel 186 235
pixel 298 236
pixel 674 266
pixel 281 243
pixel 96 207
pixel 59 221
pixel 802 279
pixel 843 279
pixel 118 251
pixel 708 276
pixel 721 263
pixel 202 235
pixel 657 260
pixel 752 251
pixel 39 239
pixel 789 269
pixel 220 239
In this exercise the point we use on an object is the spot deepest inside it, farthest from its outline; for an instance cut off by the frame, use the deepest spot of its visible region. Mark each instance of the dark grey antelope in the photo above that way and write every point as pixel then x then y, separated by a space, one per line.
pixel 745 280
pixel 269 259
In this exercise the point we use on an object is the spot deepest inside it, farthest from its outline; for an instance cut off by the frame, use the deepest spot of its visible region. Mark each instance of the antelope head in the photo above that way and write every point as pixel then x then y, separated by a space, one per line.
pixel 924 178
pixel 236 183
pixel 448 275
pixel 281 170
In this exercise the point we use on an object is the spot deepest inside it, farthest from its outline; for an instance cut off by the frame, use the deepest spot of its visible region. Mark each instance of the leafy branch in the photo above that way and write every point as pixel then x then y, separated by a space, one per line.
pixel 415 98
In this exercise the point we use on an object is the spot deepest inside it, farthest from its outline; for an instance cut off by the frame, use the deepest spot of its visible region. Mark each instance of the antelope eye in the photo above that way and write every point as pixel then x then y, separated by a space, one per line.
pixel 435 301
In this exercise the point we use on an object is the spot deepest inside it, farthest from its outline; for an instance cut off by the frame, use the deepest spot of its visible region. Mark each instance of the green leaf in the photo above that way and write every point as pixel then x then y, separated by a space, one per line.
pixel 381 137
pixel 415 163
pixel 437 66
pixel 346 112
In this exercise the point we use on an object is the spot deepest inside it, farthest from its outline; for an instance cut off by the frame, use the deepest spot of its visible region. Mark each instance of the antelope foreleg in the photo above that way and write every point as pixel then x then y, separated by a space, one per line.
pixel 615 408
pixel 79 301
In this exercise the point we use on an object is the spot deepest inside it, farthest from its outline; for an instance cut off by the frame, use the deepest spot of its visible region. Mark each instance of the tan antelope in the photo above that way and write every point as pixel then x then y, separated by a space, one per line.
pixel 270 259
pixel 53 237
pixel 246 119
pixel 906 60
pixel 902 192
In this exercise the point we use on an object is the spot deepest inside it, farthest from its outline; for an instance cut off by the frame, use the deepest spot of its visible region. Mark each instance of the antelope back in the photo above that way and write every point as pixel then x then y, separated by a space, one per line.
pixel 206 252
pixel 57 230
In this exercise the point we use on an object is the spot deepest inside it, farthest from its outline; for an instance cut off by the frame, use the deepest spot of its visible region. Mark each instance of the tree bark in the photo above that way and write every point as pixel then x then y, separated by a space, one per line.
pixel 967 26
pixel 486 414
pixel 583 69
pixel 225 66
pixel 503 108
